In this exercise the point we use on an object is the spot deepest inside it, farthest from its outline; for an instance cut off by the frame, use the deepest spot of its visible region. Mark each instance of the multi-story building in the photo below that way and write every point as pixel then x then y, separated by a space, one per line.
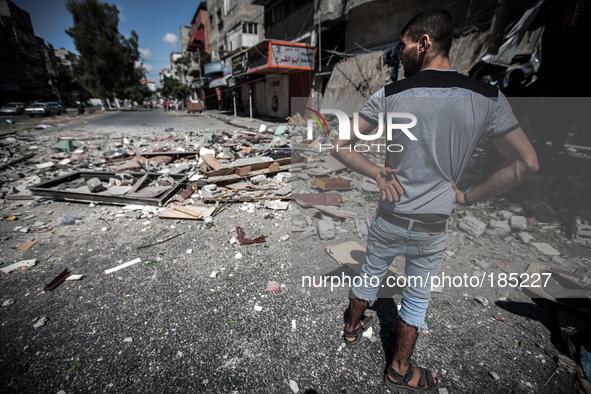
pixel 150 84
pixel 23 60
pixel 199 53
pixel 234 25
pixel 167 72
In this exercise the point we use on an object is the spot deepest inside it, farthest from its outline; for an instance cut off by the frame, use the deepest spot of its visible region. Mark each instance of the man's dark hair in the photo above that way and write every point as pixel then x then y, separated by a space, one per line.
pixel 435 22
pixel 516 76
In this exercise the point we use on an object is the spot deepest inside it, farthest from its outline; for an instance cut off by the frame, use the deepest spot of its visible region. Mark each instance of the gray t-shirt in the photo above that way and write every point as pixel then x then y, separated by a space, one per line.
pixel 452 111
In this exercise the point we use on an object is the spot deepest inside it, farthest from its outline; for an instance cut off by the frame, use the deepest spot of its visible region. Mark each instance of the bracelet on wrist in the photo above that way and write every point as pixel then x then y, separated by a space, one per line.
pixel 468 203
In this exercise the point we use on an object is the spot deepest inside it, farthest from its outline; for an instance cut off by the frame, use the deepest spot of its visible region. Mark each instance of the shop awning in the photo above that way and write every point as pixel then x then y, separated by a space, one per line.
pixel 218 82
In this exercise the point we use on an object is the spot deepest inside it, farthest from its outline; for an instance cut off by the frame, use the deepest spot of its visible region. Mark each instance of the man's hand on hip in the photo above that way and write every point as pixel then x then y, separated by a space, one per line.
pixel 460 196
pixel 389 186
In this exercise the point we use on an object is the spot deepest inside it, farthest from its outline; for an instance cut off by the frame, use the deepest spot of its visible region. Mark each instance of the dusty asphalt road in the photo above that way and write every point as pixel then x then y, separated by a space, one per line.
pixel 193 333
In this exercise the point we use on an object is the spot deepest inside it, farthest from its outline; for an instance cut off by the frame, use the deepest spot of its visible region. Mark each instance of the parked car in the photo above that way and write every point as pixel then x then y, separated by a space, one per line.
pixel 68 104
pixel 44 109
pixel 13 108
pixel 60 106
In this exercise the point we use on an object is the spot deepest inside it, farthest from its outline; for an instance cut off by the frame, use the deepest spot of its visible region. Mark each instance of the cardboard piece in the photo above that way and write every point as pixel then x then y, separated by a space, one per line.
pixel 26 245
pixel 352 255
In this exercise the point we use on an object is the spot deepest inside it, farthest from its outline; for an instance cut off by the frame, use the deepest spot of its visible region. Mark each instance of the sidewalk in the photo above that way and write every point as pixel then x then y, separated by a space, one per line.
pixel 244 122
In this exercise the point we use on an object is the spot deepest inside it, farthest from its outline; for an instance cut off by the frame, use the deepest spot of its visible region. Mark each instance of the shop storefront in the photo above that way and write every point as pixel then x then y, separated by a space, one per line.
pixel 285 70
pixel 213 94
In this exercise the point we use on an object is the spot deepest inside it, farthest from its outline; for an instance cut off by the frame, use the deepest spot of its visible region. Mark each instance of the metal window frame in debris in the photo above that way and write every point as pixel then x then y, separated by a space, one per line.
pixel 44 188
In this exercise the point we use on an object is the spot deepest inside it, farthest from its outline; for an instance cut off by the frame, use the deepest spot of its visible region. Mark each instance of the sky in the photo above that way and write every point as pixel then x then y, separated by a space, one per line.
pixel 156 22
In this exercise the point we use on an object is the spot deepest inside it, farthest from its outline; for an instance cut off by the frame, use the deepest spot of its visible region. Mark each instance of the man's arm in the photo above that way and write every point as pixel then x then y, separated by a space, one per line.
pixel 521 161
pixel 343 151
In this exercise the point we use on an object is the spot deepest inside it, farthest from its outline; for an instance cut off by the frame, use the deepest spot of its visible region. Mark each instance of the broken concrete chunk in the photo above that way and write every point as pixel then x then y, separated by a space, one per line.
pixel 505 215
pixel 361 228
pixel 128 339
pixel 95 185
pixel 44 166
pixel 524 237
pixel 482 264
pixel 276 204
pixel 498 228
pixel 518 222
pixel 284 177
pixel 8 303
pixel 283 191
pixel 482 300
pixel 545 248
pixel 293 385
pixel 472 226
pixel 494 375
pixel 40 322
pixel 326 229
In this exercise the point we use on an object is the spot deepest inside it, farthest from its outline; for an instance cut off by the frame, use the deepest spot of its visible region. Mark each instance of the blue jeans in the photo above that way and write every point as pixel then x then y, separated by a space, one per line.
pixel 423 252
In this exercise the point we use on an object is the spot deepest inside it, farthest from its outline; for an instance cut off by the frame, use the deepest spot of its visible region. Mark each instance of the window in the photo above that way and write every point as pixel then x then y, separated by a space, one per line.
pixel 249 28
pixel 211 20
pixel 219 12
pixel 221 26
pixel 228 6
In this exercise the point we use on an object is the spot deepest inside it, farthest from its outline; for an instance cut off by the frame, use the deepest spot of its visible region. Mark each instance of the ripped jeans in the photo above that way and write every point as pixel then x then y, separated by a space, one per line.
pixel 423 252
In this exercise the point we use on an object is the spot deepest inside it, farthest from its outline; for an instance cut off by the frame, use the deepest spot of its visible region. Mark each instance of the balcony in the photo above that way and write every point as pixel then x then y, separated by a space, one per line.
pixel 196 40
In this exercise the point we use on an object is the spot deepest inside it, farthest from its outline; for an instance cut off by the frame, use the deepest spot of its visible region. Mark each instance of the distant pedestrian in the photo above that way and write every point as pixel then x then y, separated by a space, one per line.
pixel 165 105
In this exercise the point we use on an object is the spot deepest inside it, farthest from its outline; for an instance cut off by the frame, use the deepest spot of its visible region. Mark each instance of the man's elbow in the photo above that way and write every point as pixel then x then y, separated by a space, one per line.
pixel 531 165
pixel 334 152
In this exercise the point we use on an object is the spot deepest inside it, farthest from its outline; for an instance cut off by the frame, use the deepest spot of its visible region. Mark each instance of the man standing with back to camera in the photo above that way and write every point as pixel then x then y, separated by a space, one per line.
pixel 417 185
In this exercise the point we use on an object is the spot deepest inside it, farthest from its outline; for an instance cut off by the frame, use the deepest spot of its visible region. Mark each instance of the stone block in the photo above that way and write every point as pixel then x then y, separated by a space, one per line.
pixel 518 222
pixel 498 228
pixel 472 226
pixel 95 185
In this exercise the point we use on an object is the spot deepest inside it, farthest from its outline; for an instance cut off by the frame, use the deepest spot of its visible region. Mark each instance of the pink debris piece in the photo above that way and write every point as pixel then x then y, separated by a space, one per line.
pixel 272 286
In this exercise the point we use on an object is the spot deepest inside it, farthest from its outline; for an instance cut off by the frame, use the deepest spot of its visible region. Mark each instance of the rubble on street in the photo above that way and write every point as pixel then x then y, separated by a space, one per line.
pixel 185 246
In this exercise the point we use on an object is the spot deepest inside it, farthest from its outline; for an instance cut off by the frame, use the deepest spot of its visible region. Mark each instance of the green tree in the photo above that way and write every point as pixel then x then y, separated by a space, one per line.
pixel 107 64
pixel 169 84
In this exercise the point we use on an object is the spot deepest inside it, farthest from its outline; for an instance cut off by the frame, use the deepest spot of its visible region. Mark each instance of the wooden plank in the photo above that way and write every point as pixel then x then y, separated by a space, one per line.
pixel 137 185
pixel 311 199
pixel 234 177
pixel 332 211
pixel 237 186
pixel 274 167
pixel 189 211
pixel 212 162
pixel 242 171
pixel 253 167
pixel 170 213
